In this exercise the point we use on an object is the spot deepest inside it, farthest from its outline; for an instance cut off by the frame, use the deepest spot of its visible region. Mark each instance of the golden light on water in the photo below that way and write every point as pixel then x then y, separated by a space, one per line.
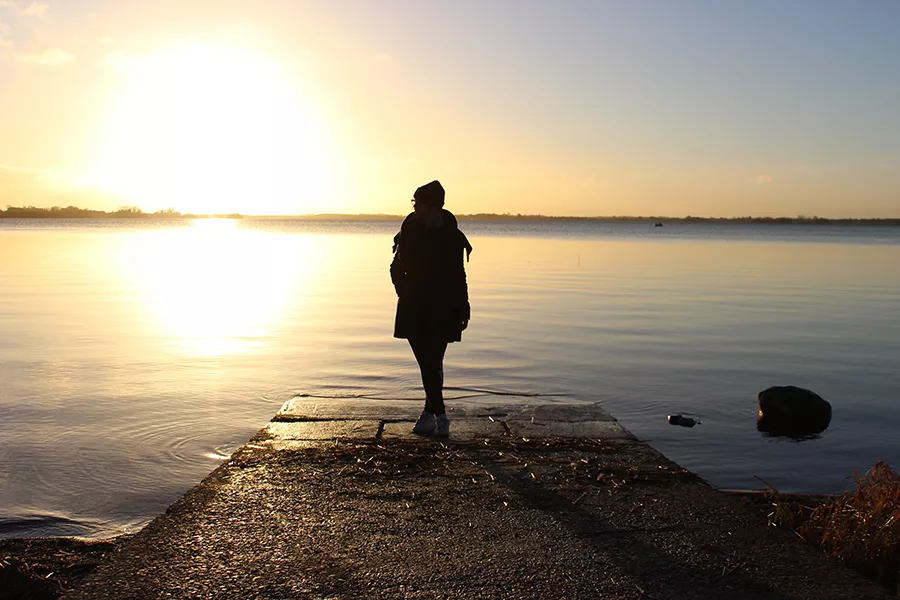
pixel 213 129
pixel 218 289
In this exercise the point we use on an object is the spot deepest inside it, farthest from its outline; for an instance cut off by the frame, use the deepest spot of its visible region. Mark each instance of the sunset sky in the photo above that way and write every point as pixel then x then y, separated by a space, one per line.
pixel 583 107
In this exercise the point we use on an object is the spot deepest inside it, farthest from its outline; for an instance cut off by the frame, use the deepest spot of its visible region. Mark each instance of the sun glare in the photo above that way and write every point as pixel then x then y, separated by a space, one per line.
pixel 218 289
pixel 213 130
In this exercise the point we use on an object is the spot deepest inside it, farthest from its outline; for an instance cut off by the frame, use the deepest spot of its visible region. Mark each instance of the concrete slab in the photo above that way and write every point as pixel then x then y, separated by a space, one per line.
pixel 304 409
pixel 570 413
pixel 601 430
pixel 294 445
pixel 314 419
pixel 566 410
pixel 460 429
pixel 322 430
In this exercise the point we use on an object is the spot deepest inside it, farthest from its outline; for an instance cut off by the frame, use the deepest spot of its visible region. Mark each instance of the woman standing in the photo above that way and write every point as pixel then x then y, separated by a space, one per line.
pixel 433 297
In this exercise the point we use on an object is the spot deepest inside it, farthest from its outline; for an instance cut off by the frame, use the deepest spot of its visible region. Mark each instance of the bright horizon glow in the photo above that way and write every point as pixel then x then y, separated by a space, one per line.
pixel 211 130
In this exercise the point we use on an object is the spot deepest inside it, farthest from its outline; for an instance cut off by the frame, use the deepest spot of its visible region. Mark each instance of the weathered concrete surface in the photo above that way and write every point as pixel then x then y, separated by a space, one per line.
pixel 563 411
pixel 361 509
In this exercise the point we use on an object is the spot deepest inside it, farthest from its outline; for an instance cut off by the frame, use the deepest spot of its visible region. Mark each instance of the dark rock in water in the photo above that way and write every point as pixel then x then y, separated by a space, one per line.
pixel 682 420
pixel 791 411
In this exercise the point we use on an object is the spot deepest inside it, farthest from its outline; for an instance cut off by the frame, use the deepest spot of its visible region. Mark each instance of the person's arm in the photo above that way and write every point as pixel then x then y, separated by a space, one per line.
pixel 460 291
pixel 466 307
pixel 398 273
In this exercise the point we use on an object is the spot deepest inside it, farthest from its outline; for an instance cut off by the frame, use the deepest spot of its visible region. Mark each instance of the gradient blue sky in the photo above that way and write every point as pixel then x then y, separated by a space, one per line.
pixel 569 108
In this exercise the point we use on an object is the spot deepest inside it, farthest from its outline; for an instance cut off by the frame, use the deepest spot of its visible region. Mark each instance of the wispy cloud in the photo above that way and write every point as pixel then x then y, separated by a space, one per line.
pixel 45 178
pixel 17 169
pixel 51 57
pixel 14 15
pixel 5 34
pixel 29 186
pixel 36 9
pixel 762 179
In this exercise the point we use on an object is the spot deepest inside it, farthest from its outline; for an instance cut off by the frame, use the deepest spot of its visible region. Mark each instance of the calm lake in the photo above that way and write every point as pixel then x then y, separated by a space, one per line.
pixel 136 355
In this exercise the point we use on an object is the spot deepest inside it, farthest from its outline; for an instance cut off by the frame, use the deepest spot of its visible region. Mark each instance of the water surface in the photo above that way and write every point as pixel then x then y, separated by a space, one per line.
pixel 135 356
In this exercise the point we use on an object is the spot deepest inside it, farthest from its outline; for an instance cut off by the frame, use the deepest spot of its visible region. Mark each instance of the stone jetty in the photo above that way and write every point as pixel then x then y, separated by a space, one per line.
pixel 335 499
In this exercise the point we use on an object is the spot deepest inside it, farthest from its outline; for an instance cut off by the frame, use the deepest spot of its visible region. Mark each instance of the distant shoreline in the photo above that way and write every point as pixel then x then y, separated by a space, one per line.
pixel 30 212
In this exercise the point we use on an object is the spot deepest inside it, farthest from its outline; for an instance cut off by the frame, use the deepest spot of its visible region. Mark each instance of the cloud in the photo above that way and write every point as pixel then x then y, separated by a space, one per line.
pixel 46 178
pixel 5 34
pixel 762 179
pixel 36 9
pixel 26 186
pixel 38 179
pixel 17 169
pixel 50 57
pixel 21 185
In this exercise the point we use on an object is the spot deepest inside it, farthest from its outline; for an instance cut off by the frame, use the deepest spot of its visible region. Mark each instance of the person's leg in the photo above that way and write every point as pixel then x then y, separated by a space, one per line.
pixel 429 354
pixel 419 351
pixel 435 388
pixel 434 383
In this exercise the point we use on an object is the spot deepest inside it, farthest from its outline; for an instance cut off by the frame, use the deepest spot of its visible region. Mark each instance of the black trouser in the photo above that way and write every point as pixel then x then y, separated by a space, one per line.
pixel 430 356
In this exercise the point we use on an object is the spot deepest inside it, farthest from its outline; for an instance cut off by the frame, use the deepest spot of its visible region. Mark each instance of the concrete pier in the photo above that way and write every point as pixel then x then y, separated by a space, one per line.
pixel 527 499
pixel 306 419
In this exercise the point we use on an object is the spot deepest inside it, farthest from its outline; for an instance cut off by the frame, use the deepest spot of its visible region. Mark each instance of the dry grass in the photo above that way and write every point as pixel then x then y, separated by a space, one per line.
pixel 860 527
pixel 44 568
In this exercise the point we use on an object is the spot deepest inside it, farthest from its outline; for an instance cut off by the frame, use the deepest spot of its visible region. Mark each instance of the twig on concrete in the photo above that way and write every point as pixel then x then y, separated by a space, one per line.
pixel 644 594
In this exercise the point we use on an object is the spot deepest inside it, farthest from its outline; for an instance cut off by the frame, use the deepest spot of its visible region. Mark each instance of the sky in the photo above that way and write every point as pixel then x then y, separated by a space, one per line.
pixel 577 107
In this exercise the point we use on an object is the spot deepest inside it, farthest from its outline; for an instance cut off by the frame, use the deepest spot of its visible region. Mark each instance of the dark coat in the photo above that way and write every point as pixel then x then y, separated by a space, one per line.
pixel 430 279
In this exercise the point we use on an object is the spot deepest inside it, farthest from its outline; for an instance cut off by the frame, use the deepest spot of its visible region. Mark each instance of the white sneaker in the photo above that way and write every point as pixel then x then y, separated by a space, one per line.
pixel 442 426
pixel 426 424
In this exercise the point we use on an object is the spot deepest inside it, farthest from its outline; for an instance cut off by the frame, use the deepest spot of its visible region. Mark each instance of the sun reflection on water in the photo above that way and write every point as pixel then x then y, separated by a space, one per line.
pixel 215 288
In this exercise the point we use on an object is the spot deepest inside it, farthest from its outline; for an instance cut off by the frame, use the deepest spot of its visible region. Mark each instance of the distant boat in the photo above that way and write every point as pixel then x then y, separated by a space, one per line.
pixel 657 224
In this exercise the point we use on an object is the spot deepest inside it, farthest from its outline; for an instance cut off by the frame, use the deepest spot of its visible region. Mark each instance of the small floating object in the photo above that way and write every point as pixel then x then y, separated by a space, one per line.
pixel 683 420
pixel 658 224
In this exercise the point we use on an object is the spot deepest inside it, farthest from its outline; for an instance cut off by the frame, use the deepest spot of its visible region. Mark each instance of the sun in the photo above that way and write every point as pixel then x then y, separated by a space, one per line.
pixel 212 129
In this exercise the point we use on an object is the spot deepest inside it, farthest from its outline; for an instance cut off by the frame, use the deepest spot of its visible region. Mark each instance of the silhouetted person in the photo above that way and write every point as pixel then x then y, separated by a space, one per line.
pixel 433 297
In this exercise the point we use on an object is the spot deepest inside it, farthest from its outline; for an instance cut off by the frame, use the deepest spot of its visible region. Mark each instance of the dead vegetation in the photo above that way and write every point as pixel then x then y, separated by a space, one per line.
pixel 574 471
pixel 861 527
pixel 44 568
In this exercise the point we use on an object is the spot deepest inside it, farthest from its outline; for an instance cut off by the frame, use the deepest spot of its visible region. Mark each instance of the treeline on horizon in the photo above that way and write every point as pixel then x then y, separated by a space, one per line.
pixel 73 212
pixel 133 212
pixel 689 219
